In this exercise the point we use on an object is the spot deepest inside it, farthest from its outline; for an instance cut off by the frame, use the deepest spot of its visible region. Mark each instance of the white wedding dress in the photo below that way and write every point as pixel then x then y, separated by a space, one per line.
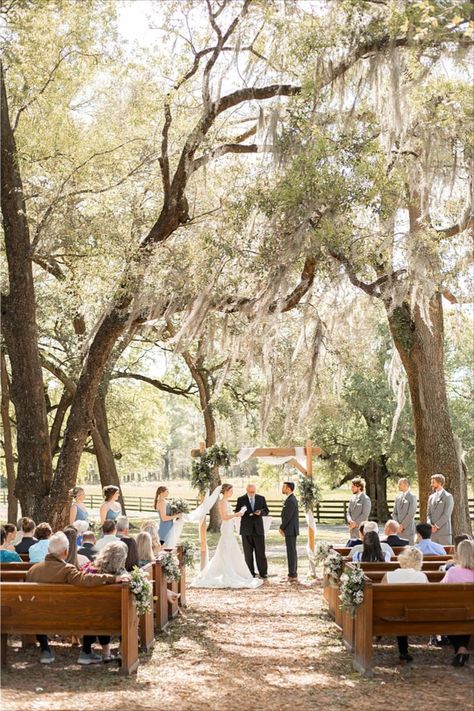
pixel 227 568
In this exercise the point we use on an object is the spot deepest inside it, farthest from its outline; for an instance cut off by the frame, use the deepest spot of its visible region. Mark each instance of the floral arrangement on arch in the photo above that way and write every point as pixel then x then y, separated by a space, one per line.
pixel 202 466
pixel 170 565
pixel 142 590
pixel 179 506
pixel 351 589
pixel 308 492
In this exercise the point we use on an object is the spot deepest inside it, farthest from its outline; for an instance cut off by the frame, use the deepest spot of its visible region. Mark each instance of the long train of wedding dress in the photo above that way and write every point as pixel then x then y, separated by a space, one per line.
pixel 227 568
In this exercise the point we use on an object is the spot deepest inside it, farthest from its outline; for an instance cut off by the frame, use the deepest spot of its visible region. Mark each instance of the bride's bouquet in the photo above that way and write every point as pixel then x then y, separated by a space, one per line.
pixel 179 506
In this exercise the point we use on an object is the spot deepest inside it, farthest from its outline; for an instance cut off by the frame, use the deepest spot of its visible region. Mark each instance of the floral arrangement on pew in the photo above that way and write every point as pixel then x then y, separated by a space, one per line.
pixel 201 473
pixel 170 565
pixel 188 550
pixel 142 591
pixel 179 506
pixel 322 551
pixel 351 589
pixel 332 561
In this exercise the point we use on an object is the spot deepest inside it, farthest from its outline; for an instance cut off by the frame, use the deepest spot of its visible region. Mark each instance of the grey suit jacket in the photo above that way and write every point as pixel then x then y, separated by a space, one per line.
pixel 358 511
pixel 440 509
pixel 404 511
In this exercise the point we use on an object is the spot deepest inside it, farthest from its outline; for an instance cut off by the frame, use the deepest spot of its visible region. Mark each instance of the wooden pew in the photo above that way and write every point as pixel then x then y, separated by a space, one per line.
pixel 36 608
pixel 410 609
pixel 397 550
pixel 161 598
pixel 145 622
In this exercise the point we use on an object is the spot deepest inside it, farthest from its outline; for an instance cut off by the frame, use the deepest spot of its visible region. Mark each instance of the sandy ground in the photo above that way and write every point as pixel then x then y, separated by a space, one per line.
pixel 272 648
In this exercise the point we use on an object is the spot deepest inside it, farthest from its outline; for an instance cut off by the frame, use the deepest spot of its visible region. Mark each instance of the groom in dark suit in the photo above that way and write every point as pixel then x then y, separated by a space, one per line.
pixel 252 530
pixel 290 528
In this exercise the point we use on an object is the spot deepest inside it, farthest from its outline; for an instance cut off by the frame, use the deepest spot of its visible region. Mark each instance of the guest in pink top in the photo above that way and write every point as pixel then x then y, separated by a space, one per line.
pixel 461 573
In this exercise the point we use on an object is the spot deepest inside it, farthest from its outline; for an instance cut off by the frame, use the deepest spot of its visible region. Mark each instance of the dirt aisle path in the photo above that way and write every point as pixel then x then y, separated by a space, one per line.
pixel 274 648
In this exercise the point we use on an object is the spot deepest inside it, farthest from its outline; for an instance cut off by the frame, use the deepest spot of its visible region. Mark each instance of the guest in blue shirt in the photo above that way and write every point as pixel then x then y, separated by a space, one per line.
pixel 38 552
pixel 6 555
pixel 424 542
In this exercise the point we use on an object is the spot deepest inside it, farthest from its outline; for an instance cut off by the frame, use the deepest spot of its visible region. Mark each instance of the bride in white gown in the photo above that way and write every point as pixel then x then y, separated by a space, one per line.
pixel 227 568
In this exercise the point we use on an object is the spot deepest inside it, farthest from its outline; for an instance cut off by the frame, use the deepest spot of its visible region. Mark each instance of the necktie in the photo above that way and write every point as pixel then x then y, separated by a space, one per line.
pixel 252 502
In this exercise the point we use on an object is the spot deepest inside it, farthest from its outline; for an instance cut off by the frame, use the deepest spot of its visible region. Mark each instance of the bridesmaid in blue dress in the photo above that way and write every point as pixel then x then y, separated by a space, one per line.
pixel 110 508
pixel 164 512
pixel 78 510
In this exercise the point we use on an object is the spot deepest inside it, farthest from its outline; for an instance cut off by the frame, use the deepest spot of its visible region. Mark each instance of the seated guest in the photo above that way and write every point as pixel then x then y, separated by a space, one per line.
pixel 38 551
pixel 150 527
pixel 7 555
pixel 352 542
pixel 73 556
pixel 54 569
pixel 131 561
pixel 391 531
pixel 27 527
pixel 144 549
pixel 10 530
pixel 372 550
pixel 146 555
pixel 371 526
pixel 424 542
pixel 411 561
pixel 463 572
pixel 109 529
pixel 122 526
pixel 80 527
pixel 457 540
pixel 88 548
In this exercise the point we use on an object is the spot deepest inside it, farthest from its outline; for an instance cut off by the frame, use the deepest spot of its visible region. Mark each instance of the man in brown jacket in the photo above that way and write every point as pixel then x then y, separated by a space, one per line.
pixel 54 569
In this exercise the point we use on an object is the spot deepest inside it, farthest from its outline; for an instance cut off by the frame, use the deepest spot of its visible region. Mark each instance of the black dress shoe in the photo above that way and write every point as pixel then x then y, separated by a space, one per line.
pixel 460 660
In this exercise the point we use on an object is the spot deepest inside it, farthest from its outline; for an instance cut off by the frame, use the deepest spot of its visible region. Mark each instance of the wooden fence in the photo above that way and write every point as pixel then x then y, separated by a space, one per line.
pixel 330 511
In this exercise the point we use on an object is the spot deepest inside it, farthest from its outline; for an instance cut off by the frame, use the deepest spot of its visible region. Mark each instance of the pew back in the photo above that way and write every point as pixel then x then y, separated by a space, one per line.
pixel 36 608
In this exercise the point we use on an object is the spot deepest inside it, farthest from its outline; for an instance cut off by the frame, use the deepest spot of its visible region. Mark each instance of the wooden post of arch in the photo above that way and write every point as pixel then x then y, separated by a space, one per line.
pixel 309 473
pixel 202 527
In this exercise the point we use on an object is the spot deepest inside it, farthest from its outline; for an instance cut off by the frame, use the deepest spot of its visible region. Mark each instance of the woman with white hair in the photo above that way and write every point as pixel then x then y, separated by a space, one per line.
pixel 411 561
pixel 463 572
pixel 150 527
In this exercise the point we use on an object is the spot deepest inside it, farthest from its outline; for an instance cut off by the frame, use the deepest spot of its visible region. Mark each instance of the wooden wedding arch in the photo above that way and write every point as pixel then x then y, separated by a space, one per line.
pixel 290 454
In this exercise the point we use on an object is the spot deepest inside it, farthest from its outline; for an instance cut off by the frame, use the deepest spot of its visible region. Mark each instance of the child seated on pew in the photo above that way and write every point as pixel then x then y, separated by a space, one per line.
pixel 146 555
pixel 411 562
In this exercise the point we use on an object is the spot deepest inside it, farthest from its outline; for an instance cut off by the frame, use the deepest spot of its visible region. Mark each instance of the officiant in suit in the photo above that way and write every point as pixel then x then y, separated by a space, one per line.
pixel 252 529
pixel 290 528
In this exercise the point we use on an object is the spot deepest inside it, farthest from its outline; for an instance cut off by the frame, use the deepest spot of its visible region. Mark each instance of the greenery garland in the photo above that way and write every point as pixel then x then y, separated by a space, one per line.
pixel 351 589
pixel 203 464
pixel 142 590
pixel 170 565
pixel 188 551
pixel 308 492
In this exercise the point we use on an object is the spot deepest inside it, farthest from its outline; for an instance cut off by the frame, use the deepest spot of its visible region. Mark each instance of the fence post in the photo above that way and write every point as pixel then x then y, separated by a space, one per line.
pixel 317 512
pixel 140 504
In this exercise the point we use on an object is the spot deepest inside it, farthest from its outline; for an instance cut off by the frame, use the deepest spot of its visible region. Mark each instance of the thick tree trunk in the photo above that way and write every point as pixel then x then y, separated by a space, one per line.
pixel 375 473
pixel 21 336
pixel 421 347
pixel 7 442
pixel 201 378
pixel 103 449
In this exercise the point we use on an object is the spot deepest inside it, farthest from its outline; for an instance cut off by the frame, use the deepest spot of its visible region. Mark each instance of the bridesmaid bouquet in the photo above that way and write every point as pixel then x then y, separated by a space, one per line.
pixel 179 506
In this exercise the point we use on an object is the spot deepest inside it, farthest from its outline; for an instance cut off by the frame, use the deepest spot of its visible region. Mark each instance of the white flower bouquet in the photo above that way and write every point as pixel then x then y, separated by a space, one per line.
pixel 351 589
pixel 142 591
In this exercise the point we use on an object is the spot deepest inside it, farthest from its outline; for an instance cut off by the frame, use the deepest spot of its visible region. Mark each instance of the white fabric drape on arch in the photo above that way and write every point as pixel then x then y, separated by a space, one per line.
pixel 196 516
pixel 300 456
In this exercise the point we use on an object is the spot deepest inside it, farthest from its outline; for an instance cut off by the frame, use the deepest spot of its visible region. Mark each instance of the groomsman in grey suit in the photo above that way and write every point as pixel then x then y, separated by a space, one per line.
pixel 359 507
pixel 404 510
pixel 440 509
